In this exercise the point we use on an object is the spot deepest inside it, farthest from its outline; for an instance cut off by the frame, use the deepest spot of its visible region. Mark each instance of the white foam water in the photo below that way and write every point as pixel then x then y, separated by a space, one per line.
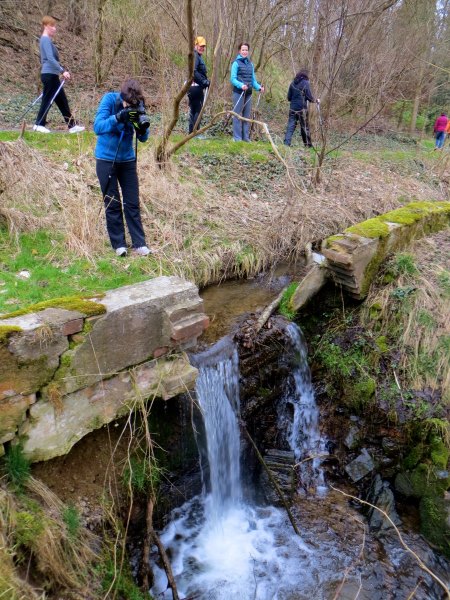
pixel 301 422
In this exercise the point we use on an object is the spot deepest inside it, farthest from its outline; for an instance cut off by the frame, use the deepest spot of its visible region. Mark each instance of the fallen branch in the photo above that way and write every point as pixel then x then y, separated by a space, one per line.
pixel 267 312
pixel 403 543
pixel 272 479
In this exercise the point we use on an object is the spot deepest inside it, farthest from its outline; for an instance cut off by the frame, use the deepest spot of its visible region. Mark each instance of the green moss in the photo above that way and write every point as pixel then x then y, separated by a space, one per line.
pixel 334 238
pixel 82 305
pixel 361 393
pixel 372 228
pixel 425 482
pixel 382 344
pixel 433 522
pixel 439 453
pixel 286 308
pixel 29 526
pixel 6 331
pixel 407 215
pixel 413 457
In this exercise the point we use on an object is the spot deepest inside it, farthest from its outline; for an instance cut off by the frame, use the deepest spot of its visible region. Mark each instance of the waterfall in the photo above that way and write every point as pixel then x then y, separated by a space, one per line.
pixel 217 391
pixel 299 416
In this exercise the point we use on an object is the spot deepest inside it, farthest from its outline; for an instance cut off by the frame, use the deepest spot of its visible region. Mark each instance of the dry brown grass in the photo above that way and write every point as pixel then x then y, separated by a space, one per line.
pixel 65 560
pixel 420 321
pixel 196 229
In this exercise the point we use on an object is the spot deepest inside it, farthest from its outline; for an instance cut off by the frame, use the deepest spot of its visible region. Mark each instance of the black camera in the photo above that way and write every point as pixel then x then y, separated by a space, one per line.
pixel 139 117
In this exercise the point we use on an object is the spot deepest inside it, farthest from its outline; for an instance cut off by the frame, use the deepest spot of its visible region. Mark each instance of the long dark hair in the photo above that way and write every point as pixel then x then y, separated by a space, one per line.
pixel 131 92
pixel 303 74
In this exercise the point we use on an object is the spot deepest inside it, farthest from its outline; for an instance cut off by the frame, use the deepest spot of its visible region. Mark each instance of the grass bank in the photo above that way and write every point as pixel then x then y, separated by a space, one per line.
pixel 220 209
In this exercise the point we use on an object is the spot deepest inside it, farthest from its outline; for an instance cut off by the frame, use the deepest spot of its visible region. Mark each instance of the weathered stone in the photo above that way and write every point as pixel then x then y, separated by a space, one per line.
pixel 190 327
pixel 49 433
pixel 31 356
pixel 361 466
pixel 351 440
pixel 381 495
pixel 308 287
pixel 72 327
pixel 12 414
pixel 353 259
pixel 161 351
pixel 136 324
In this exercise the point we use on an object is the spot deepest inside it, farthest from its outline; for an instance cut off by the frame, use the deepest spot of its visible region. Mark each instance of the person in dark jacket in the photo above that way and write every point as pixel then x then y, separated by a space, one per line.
pixel 199 84
pixel 299 94
pixel 243 81
pixel 115 124
pixel 51 69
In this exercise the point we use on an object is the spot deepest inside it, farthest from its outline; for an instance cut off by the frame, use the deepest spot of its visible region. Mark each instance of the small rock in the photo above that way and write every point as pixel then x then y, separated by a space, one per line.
pixel 24 274
pixel 361 466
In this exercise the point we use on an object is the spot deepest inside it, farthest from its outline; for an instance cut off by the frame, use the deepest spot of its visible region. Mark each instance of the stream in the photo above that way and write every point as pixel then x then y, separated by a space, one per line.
pixel 224 546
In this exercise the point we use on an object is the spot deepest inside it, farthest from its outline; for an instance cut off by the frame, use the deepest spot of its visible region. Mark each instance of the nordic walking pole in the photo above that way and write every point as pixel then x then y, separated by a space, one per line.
pixel 28 109
pixel 227 120
pixel 52 100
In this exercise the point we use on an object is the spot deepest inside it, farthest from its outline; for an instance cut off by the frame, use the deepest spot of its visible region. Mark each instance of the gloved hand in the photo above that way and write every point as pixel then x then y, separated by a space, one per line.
pixel 207 83
pixel 133 116
pixel 123 116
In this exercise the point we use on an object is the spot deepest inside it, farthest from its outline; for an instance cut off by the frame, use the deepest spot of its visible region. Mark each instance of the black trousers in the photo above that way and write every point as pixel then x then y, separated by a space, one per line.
pixel 195 96
pixel 110 176
pixel 294 117
pixel 51 83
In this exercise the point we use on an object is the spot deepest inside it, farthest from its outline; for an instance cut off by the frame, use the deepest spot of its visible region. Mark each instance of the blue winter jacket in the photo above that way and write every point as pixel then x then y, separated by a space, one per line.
pixel 109 131
pixel 234 74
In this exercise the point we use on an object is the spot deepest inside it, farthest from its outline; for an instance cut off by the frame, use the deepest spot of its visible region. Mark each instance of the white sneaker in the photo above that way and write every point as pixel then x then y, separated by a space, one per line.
pixel 41 129
pixel 76 129
pixel 142 251
pixel 121 251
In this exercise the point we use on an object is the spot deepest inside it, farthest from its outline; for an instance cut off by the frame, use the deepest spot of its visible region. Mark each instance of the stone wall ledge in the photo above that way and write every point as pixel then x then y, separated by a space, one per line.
pixel 50 356
pixel 354 256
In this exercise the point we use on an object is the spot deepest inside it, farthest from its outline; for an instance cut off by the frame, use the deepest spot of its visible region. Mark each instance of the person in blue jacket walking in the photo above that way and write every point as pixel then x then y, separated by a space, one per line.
pixel 116 122
pixel 244 82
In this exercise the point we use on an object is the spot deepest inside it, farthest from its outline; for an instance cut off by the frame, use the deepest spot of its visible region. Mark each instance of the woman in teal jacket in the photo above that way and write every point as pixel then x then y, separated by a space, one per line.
pixel 116 122
pixel 243 81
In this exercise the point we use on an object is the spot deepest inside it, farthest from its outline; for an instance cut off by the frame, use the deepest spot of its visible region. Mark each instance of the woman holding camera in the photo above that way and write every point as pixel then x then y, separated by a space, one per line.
pixel 119 117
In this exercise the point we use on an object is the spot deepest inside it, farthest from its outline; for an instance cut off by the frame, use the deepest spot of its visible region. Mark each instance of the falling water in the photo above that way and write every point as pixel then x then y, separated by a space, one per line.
pixel 221 548
pixel 218 395
pixel 299 416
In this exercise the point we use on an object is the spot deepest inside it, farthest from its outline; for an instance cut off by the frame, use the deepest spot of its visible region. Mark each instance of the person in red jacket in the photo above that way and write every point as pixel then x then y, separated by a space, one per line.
pixel 440 125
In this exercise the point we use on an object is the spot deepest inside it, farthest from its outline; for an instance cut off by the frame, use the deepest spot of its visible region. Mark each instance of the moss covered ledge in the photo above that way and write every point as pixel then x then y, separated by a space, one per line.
pixel 87 306
pixel 354 256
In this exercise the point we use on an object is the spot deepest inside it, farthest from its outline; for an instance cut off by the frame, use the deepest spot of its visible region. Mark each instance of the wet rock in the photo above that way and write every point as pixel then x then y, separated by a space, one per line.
pixel 360 467
pixel 351 441
pixel 381 495
pixel 390 447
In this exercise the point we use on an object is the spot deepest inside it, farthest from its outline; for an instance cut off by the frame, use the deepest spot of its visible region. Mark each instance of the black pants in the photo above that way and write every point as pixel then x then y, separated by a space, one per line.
pixel 195 96
pixel 294 117
pixel 51 83
pixel 110 176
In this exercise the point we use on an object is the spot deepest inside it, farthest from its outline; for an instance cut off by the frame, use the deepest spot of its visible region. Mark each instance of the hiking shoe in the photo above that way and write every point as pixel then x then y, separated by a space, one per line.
pixel 121 251
pixel 41 129
pixel 142 251
pixel 76 129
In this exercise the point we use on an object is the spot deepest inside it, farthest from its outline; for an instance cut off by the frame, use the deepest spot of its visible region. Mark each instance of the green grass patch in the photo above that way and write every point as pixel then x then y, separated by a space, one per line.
pixel 49 271
pixel 17 467
pixel 285 305
pixel 60 146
